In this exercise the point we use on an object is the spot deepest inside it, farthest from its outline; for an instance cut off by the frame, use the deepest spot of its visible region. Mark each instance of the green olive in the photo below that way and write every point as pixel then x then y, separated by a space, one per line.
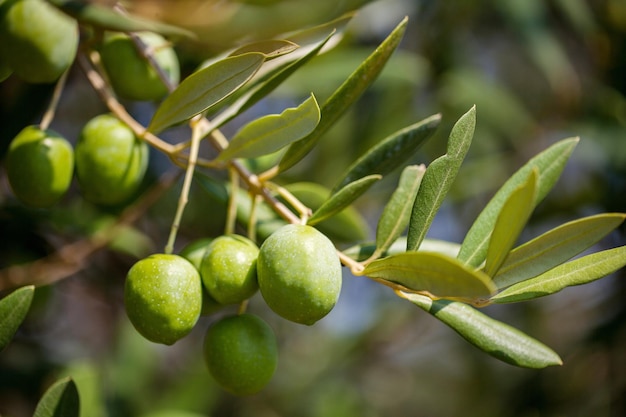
pixel 228 269
pixel 131 75
pixel 194 252
pixel 241 353
pixel 163 297
pixel 5 69
pixel 40 165
pixel 37 41
pixel 110 161
pixel 299 273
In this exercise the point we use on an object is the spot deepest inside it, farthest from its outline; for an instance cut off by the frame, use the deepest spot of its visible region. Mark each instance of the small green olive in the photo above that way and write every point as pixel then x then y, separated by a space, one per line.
pixel 194 252
pixel 228 269
pixel 37 41
pixel 299 273
pixel 130 73
pixel 163 297
pixel 241 353
pixel 40 165
pixel 110 161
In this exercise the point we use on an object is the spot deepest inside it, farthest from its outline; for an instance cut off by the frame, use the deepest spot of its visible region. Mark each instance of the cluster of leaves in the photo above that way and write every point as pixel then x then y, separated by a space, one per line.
pixel 448 280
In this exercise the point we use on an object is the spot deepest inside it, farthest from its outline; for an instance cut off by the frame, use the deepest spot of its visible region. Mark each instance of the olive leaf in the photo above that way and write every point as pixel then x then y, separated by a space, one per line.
pixel 549 164
pixel 555 247
pixel 205 88
pixel 438 179
pixel 365 250
pixel 395 216
pixel 391 152
pixel 577 272
pixel 100 16
pixel 13 310
pixel 434 273
pixel 343 198
pixel 271 133
pixel 494 337
pixel 345 96
pixel 272 48
pixel 60 400
pixel 511 220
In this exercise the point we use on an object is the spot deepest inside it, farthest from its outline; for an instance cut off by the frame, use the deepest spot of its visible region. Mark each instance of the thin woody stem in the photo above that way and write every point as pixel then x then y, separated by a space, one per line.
pixel 48 116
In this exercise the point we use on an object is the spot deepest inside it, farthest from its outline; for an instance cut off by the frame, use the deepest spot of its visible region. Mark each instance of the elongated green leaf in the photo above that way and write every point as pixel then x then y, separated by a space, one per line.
pixel 205 88
pixel 438 179
pixel 346 226
pixel 60 400
pixel 100 16
pixel 549 164
pixel 363 251
pixel 511 221
pixel 489 335
pixel 436 274
pixel 13 310
pixel 397 212
pixel 577 272
pixel 263 88
pixel 271 48
pixel 345 96
pixel 555 247
pixel 343 198
pixel 273 132
pixel 391 152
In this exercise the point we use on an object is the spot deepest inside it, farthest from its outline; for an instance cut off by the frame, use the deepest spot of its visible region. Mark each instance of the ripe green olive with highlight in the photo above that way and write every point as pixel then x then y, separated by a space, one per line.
pixel 241 353
pixel 299 273
pixel 37 41
pixel 40 166
pixel 228 269
pixel 131 74
pixel 110 161
pixel 163 297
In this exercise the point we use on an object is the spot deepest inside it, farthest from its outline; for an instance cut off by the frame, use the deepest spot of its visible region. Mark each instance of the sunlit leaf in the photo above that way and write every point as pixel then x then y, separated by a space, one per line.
pixel 436 274
pixel 363 251
pixel 60 400
pixel 489 335
pixel 395 216
pixel 438 179
pixel 13 310
pixel 271 133
pixel 555 247
pixel 343 198
pixel 511 221
pixel 345 96
pixel 103 17
pixel 205 88
pixel 577 272
pixel 270 48
pixel 549 164
pixel 391 152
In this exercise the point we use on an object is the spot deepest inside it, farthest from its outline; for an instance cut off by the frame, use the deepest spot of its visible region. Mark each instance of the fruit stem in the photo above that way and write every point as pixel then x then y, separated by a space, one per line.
pixel 231 213
pixel 48 116
pixel 184 193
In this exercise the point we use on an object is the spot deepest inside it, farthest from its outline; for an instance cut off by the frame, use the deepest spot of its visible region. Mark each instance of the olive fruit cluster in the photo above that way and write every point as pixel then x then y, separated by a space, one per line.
pixel 109 161
pixel 296 269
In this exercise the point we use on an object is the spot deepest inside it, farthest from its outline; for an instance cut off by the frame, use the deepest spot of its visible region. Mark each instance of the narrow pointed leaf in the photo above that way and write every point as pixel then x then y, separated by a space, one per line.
pixel 436 274
pixel 495 338
pixel 364 251
pixel 60 400
pixel 13 310
pixel 555 247
pixel 345 96
pixel 271 133
pixel 391 152
pixel 577 272
pixel 104 17
pixel 438 179
pixel 263 88
pixel 343 198
pixel 270 48
pixel 549 164
pixel 205 88
pixel 511 221
pixel 397 212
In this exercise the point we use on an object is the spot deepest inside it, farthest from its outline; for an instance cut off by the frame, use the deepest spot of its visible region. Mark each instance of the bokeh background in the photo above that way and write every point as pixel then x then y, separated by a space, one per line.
pixel 538 71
